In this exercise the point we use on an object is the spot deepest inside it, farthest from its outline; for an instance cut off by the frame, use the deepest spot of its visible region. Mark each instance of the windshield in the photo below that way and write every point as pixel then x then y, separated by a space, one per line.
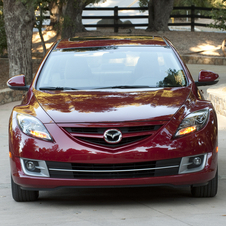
pixel 111 67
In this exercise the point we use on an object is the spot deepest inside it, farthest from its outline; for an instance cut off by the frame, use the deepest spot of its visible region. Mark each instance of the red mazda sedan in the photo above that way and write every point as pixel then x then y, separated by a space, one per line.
pixel 113 111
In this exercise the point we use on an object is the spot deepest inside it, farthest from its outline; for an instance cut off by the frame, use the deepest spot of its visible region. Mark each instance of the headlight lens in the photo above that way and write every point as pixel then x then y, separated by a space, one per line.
pixel 193 122
pixel 33 127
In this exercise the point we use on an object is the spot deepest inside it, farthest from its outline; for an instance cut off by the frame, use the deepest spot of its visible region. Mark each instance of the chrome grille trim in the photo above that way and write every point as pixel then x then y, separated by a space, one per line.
pixel 113 171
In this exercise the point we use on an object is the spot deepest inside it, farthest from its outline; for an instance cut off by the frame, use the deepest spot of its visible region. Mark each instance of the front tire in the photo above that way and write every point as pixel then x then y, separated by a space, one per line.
pixel 209 190
pixel 20 195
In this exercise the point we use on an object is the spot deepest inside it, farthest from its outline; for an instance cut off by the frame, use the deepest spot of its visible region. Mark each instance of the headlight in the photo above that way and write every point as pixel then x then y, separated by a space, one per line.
pixel 32 127
pixel 193 122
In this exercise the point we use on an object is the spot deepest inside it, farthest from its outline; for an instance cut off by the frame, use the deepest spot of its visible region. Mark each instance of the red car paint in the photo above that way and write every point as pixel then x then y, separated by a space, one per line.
pixel 166 107
pixel 206 76
pixel 109 41
pixel 19 80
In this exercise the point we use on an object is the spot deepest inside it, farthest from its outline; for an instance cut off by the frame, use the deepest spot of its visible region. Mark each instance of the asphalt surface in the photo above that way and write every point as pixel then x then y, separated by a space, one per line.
pixel 115 206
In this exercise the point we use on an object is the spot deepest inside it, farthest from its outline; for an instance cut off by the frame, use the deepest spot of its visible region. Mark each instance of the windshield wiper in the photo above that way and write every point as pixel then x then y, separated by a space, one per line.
pixel 123 87
pixel 56 88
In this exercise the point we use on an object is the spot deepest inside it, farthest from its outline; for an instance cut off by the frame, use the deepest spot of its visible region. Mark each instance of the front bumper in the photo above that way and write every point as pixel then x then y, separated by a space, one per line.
pixel 45 183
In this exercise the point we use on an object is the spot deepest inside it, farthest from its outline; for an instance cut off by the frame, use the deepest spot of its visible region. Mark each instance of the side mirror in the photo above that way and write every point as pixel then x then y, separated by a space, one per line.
pixel 17 83
pixel 207 78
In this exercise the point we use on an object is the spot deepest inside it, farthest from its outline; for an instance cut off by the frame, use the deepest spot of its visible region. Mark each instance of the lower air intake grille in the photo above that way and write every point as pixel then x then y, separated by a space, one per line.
pixel 114 171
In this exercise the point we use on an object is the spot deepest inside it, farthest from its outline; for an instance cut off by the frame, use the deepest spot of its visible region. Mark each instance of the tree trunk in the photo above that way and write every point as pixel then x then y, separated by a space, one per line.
pixel 56 13
pixel 39 26
pixel 73 18
pixel 19 21
pixel 42 41
pixel 159 14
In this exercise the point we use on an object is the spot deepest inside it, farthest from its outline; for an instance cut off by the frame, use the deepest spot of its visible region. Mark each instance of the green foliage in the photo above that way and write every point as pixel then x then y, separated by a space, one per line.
pixel 203 3
pixel 198 3
pixel 177 3
pixel 42 7
pixel 219 16
pixel 3 42
pixel 143 3
pixel 35 3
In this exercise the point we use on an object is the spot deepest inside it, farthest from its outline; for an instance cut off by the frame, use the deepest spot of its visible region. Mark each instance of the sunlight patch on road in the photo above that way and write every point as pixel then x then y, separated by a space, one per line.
pixel 40 48
pixel 207 49
pixel 47 35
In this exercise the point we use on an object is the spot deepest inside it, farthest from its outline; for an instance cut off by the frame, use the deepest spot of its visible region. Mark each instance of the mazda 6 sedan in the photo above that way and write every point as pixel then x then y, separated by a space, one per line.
pixel 113 112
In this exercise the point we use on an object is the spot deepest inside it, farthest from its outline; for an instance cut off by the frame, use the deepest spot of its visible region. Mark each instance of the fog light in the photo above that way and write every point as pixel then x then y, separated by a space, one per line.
pixel 197 161
pixel 30 166
pixel 37 168
pixel 191 164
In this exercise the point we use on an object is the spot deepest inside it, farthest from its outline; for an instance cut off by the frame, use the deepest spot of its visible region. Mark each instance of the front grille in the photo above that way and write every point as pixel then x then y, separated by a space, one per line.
pixel 101 141
pixel 101 130
pixel 114 171
pixel 94 135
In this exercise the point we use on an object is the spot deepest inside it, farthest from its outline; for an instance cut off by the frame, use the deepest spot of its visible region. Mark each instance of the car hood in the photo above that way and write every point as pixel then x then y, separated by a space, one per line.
pixel 112 106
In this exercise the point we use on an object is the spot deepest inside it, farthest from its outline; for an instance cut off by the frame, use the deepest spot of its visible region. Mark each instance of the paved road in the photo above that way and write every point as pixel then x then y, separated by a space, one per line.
pixel 106 207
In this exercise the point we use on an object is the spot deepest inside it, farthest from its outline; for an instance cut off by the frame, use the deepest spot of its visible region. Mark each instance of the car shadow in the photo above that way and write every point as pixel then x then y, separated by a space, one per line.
pixel 113 196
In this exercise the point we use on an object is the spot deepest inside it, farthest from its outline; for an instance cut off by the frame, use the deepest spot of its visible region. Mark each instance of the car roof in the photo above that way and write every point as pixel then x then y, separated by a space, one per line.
pixel 95 41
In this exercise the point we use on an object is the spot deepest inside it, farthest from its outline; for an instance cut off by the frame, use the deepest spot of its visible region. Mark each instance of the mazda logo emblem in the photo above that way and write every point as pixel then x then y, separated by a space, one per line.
pixel 112 136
